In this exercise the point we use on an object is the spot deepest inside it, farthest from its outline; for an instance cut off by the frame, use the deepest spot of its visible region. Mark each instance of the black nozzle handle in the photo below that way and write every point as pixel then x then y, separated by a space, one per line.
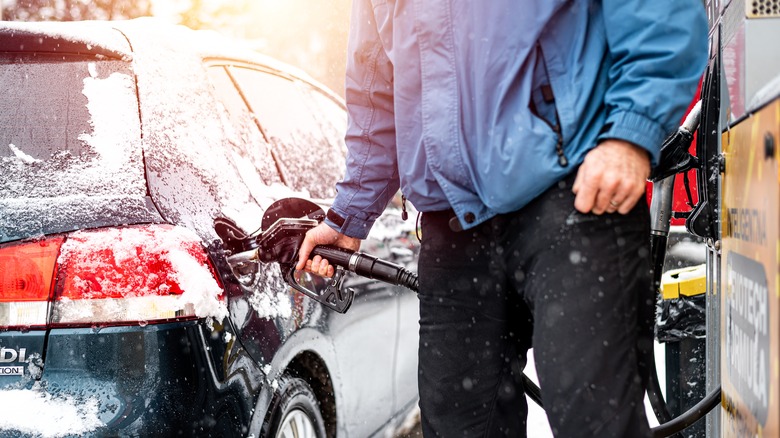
pixel 333 254
pixel 368 266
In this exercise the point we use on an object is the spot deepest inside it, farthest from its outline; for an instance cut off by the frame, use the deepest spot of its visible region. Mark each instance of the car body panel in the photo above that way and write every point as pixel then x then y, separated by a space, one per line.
pixel 21 355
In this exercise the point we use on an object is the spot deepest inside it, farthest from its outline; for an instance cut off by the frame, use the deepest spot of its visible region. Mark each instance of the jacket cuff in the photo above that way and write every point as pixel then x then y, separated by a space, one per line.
pixel 635 128
pixel 349 225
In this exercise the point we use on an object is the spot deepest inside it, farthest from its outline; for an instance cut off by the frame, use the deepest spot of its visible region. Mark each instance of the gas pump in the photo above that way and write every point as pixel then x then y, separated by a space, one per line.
pixel 737 214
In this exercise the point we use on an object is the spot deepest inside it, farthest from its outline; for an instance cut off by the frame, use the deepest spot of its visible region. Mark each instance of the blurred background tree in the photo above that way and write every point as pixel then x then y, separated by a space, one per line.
pixel 72 10
pixel 309 34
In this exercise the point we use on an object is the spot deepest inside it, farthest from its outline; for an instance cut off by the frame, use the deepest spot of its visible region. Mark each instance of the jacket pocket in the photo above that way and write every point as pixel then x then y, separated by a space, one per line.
pixel 543 103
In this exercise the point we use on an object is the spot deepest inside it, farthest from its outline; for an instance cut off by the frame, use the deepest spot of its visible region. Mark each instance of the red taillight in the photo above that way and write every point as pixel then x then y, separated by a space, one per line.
pixel 125 262
pixel 110 276
pixel 26 272
pixel 141 274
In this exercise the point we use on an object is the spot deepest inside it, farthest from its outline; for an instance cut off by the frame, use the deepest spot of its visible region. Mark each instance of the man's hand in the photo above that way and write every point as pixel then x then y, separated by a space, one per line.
pixel 612 178
pixel 322 234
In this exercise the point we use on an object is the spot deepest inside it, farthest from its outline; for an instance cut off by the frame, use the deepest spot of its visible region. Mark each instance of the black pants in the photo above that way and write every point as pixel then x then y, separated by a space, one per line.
pixel 577 287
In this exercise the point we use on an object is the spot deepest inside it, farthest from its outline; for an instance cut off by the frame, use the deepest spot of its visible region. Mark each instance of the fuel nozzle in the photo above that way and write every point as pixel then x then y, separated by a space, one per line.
pixel 284 228
pixel 675 157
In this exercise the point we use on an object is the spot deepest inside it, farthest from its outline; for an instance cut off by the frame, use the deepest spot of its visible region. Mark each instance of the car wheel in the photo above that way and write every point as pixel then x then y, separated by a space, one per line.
pixel 297 412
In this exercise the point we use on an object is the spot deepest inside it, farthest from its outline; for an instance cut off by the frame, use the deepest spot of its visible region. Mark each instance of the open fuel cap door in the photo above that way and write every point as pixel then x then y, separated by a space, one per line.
pixel 291 208
pixel 283 229
pixel 284 225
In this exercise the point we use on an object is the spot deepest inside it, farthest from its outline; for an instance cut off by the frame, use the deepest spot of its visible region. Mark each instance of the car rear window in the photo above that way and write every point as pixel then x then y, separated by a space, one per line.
pixel 70 142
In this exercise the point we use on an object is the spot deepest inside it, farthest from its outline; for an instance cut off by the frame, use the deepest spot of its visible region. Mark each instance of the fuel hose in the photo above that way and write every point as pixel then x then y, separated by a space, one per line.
pixel 692 415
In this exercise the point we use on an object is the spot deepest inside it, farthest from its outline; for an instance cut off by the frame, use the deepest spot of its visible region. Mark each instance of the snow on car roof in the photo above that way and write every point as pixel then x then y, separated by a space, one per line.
pixel 105 38
pixel 210 44
pixel 83 38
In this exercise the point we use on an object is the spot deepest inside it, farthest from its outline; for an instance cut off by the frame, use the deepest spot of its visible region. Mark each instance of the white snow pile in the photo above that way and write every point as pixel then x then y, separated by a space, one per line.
pixel 272 300
pixel 271 305
pixel 200 288
pixel 109 120
pixel 37 412
pixel 18 153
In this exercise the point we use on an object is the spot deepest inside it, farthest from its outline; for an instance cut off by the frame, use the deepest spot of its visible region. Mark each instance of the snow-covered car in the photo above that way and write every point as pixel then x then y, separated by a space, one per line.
pixel 120 144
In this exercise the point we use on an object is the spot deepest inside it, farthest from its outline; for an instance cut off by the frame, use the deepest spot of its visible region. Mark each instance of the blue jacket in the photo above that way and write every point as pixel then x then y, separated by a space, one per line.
pixel 481 106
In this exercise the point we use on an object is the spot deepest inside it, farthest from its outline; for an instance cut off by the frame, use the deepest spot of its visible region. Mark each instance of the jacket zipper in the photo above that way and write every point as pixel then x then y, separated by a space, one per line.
pixel 549 97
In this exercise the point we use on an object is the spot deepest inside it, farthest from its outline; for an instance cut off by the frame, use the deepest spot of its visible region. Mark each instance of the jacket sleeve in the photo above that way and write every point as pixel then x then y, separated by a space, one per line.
pixel 371 177
pixel 658 50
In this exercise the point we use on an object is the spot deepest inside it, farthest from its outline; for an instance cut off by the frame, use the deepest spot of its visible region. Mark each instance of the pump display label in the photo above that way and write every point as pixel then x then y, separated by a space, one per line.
pixel 747 332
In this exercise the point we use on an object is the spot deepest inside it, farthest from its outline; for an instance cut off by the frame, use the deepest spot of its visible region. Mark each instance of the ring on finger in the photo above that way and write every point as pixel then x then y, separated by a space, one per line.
pixel 613 203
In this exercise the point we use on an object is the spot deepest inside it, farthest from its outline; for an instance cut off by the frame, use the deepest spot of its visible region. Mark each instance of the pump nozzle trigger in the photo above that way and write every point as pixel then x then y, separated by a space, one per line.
pixel 335 295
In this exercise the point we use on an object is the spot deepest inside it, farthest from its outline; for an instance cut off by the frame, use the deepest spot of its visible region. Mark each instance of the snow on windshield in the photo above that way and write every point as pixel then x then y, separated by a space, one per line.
pixel 37 412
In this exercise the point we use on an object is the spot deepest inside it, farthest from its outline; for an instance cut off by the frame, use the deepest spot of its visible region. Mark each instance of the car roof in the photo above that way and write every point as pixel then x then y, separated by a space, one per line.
pixel 115 40
pixel 210 45
pixel 83 38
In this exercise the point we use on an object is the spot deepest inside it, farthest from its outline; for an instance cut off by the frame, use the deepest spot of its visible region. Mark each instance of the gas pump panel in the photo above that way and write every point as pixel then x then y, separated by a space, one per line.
pixel 750 293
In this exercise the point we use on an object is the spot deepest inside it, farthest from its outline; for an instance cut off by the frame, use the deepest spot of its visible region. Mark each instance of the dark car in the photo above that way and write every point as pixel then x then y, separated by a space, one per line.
pixel 121 143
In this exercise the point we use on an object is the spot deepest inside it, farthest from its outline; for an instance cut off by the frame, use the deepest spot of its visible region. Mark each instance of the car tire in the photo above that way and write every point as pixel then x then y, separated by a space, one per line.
pixel 296 413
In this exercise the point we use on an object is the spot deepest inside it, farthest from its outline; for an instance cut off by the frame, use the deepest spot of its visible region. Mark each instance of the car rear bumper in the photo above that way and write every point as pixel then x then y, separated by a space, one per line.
pixel 157 380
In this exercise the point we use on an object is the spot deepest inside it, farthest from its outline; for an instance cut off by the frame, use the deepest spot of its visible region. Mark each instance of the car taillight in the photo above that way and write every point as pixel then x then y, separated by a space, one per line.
pixel 111 276
pixel 141 274
pixel 26 272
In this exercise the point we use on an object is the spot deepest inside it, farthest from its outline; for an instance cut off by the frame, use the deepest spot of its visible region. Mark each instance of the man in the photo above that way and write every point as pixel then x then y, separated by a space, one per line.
pixel 524 131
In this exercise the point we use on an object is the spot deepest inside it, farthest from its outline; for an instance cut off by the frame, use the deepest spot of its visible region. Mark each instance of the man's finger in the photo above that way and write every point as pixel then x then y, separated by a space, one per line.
pixel 577 181
pixel 303 254
pixel 628 204
pixel 315 264
pixel 320 266
pixel 612 193
pixel 587 190
pixel 585 199
pixel 603 198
